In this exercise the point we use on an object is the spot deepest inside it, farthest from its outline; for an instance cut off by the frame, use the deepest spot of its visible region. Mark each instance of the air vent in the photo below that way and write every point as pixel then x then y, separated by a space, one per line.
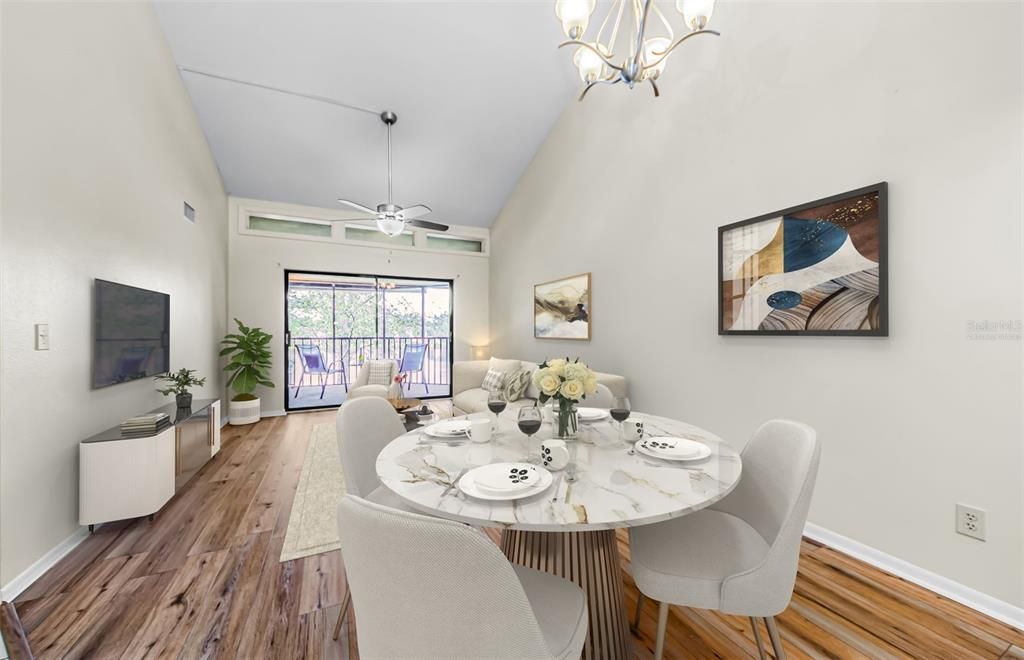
pixel 190 213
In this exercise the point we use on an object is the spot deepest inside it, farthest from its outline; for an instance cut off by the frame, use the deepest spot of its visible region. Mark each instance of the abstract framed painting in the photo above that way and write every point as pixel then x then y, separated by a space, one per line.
pixel 561 308
pixel 820 268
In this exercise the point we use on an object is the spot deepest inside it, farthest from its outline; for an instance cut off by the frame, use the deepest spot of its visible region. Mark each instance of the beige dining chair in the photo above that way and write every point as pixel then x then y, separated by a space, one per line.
pixel 433 588
pixel 364 427
pixel 602 398
pixel 740 555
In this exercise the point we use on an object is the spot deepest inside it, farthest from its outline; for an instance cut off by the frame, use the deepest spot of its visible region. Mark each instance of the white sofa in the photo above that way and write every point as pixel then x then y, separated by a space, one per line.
pixel 469 397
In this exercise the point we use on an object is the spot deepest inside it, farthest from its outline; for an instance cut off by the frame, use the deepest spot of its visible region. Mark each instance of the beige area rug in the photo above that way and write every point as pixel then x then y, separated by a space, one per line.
pixel 313 523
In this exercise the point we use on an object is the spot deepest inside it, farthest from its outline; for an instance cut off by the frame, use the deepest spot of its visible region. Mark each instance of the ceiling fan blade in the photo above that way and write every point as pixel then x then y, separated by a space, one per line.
pixel 426 224
pixel 358 207
pixel 415 211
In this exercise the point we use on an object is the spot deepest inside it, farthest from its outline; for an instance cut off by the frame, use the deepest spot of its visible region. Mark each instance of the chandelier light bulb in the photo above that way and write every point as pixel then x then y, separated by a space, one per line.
pixel 390 225
pixel 654 48
pixel 696 13
pixel 574 15
pixel 589 63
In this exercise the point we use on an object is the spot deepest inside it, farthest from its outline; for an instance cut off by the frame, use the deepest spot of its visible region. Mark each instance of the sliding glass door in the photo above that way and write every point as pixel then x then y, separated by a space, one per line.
pixel 335 322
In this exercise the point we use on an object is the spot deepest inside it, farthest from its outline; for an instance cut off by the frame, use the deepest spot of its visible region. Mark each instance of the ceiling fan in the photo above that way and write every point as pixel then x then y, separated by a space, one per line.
pixel 390 218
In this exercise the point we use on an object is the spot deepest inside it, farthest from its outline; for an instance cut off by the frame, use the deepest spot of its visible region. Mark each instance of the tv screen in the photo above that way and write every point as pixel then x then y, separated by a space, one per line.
pixel 131 333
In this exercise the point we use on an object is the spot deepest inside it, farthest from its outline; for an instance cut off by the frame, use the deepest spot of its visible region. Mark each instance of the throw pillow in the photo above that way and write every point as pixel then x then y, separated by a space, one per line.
pixel 504 366
pixel 516 384
pixel 494 381
pixel 380 373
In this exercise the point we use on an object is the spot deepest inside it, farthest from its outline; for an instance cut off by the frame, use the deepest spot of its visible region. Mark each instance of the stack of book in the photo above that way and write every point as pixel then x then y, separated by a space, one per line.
pixel 144 425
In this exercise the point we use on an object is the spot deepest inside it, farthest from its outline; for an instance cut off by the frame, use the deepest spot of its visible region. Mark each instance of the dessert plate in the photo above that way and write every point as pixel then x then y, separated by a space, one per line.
pixel 673 449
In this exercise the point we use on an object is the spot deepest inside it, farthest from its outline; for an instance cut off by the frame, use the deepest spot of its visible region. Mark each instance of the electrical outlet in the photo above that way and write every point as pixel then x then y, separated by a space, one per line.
pixel 970 521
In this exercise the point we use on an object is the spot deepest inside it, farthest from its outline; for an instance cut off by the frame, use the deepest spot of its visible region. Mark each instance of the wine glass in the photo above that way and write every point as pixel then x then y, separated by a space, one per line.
pixel 496 403
pixel 529 423
pixel 620 410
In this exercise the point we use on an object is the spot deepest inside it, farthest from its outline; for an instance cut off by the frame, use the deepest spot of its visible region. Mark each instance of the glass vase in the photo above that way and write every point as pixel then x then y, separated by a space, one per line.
pixel 567 423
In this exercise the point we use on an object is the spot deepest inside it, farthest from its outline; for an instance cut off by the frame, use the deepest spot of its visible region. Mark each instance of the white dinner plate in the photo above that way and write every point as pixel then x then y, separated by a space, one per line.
pixel 673 449
pixel 448 429
pixel 591 414
pixel 502 478
pixel 467 484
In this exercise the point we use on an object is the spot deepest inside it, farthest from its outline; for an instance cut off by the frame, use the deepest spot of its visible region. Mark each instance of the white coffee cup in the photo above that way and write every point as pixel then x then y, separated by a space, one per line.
pixel 632 430
pixel 472 417
pixel 479 430
pixel 554 454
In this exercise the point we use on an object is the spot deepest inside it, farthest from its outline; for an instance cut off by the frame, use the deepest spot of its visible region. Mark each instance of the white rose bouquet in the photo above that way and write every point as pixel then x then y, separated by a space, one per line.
pixel 567 382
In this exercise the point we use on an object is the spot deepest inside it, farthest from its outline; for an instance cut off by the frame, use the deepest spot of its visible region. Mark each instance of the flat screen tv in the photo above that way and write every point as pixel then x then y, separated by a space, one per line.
pixel 131 333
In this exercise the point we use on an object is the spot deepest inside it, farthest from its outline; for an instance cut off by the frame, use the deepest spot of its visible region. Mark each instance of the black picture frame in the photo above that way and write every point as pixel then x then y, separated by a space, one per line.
pixel 882 189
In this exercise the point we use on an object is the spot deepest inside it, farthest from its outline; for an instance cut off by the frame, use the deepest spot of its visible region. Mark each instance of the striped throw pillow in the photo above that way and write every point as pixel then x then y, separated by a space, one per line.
pixel 380 373
pixel 516 384
pixel 494 381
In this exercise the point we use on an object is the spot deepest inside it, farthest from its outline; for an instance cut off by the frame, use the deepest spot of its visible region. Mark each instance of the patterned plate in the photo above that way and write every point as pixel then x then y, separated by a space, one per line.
pixel 673 449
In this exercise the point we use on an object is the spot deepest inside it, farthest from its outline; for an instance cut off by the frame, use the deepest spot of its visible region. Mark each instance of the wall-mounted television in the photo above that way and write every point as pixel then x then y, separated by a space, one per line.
pixel 131 333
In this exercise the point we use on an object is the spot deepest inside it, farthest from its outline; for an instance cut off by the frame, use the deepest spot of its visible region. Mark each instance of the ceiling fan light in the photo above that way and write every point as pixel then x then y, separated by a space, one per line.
pixel 574 15
pixel 390 226
pixel 589 64
pixel 696 13
pixel 654 49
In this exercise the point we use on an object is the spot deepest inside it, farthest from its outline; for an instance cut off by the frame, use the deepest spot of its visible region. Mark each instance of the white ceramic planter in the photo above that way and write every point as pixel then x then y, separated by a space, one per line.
pixel 243 412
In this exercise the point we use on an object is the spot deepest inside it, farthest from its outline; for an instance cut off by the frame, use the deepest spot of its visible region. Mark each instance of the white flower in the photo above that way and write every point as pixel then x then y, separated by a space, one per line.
pixel 572 389
pixel 557 366
pixel 547 382
pixel 575 371
pixel 590 384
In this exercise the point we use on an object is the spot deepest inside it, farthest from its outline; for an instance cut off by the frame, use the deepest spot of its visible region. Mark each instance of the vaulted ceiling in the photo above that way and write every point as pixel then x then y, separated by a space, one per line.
pixel 476 86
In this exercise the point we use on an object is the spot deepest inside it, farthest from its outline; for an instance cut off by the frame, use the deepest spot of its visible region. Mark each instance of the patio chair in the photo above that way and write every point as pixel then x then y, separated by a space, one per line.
pixel 312 362
pixel 414 359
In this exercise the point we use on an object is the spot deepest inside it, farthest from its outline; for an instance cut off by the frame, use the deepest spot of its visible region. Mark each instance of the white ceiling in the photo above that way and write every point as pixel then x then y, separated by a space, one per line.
pixel 476 85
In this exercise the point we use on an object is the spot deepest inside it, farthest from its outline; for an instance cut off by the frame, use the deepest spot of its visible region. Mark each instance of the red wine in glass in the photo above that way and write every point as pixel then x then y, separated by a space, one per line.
pixel 620 409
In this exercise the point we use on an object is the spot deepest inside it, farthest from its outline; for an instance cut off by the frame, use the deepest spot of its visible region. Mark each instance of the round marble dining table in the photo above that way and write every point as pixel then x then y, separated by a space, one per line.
pixel 568 529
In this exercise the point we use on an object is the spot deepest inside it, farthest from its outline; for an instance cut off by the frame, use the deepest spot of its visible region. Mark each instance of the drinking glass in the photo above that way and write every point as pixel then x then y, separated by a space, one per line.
pixel 529 423
pixel 496 403
pixel 620 410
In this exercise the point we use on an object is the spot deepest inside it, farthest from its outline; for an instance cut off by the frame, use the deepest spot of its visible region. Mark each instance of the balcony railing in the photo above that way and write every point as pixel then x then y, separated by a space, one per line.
pixel 353 351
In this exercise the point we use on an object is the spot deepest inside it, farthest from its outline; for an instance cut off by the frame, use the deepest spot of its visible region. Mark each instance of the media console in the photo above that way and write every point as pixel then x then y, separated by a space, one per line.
pixel 120 478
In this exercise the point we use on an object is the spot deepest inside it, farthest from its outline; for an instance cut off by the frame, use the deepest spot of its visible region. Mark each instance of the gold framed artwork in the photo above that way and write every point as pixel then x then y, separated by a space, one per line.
pixel 561 308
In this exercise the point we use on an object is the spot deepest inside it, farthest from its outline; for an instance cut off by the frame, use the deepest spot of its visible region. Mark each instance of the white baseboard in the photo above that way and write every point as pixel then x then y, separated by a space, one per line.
pixel 12 589
pixel 972 598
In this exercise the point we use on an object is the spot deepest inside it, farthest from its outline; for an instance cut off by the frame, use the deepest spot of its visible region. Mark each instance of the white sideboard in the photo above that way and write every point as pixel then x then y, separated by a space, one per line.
pixel 122 478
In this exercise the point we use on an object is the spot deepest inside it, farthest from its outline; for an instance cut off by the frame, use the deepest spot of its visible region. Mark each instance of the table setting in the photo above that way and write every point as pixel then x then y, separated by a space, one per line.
pixel 558 477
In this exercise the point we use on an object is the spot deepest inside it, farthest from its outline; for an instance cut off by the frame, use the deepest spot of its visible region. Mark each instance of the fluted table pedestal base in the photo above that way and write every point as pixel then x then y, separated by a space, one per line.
pixel 591 560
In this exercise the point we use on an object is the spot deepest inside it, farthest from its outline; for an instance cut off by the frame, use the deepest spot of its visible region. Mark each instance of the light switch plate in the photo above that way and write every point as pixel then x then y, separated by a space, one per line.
pixel 42 336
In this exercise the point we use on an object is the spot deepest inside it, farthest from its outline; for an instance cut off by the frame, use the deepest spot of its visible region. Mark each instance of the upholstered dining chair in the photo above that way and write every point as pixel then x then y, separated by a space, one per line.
pixel 364 427
pixel 602 398
pixel 434 588
pixel 740 555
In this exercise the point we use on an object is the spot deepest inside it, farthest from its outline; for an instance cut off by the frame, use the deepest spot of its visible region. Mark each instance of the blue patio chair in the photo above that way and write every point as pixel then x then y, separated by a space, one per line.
pixel 312 362
pixel 414 359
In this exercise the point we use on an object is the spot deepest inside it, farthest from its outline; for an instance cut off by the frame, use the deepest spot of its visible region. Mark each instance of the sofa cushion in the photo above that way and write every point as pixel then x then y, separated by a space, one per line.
pixel 504 366
pixel 516 384
pixel 494 381
pixel 475 400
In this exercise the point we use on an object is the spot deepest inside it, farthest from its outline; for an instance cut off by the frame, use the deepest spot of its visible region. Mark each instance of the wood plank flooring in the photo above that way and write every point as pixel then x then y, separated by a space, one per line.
pixel 204 581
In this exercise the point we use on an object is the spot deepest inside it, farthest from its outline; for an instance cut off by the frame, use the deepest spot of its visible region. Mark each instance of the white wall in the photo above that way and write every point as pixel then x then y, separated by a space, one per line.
pixel 101 147
pixel 256 280
pixel 796 102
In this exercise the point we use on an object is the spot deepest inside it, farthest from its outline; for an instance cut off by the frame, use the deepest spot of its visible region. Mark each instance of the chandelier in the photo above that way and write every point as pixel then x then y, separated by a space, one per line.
pixel 649 45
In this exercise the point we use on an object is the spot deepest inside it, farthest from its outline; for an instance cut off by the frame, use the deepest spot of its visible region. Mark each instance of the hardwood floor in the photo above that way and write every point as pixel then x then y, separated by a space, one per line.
pixel 203 580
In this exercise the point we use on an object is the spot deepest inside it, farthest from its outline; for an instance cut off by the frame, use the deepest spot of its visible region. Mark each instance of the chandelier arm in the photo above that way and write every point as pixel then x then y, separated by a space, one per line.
pixel 641 28
pixel 664 21
pixel 654 86
pixel 605 81
pixel 669 50
pixel 584 44
pixel 615 27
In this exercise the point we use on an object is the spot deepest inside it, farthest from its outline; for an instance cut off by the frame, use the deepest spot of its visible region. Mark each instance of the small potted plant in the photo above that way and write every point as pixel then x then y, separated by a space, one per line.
pixel 249 365
pixel 180 382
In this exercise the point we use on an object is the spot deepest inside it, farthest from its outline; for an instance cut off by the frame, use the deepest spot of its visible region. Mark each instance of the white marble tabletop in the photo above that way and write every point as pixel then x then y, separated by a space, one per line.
pixel 614 486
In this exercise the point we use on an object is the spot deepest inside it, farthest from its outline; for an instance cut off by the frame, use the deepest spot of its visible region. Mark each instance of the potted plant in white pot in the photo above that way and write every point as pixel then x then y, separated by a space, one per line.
pixel 180 382
pixel 249 365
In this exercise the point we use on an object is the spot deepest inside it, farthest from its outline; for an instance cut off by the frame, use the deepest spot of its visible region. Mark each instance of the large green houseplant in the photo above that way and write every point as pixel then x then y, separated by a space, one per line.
pixel 249 356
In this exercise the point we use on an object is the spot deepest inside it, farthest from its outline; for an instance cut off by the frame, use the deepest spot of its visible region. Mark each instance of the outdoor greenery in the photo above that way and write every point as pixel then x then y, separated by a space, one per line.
pixel 356 313
pixel 180 381
pixel 249 363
